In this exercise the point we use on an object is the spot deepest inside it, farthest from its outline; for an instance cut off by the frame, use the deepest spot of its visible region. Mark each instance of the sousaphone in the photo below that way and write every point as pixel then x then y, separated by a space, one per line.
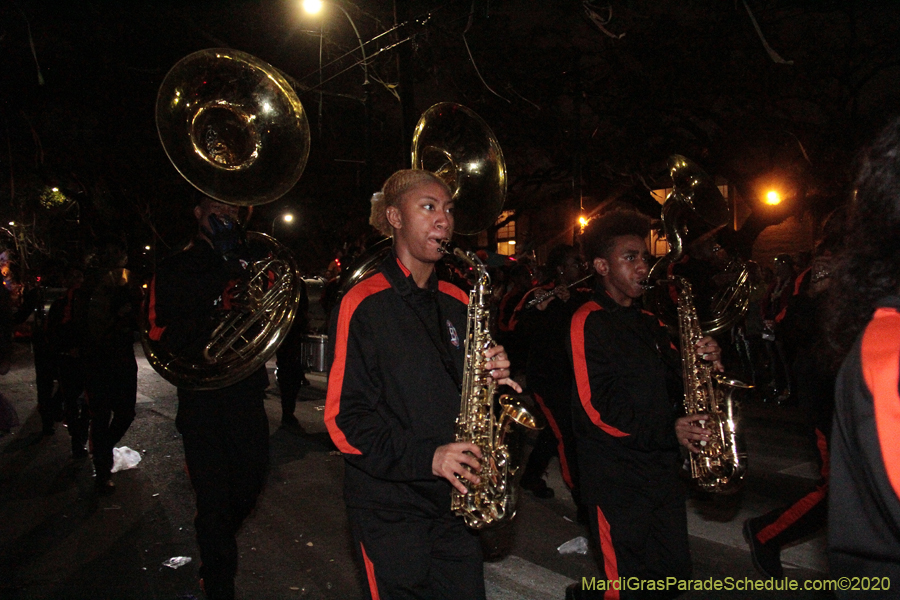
pixel 235 129
pixel 695 209
pixel 456 144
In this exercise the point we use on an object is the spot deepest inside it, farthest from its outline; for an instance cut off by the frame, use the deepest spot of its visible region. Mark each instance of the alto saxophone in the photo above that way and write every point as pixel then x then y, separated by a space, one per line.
pixel 493 499
pixel 721 464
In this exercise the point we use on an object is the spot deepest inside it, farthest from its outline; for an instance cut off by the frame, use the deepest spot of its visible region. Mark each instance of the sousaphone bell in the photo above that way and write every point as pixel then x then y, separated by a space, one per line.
pixel 235 129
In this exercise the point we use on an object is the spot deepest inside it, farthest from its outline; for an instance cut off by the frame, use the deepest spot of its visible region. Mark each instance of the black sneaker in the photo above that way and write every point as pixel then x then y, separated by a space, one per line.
pixel 104 487
pixel 767 560
pixel 291 423
pixel 539 488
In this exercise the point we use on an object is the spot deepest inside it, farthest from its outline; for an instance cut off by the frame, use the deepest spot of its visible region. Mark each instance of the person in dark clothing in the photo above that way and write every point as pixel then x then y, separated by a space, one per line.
pixel 774 306
pixel 8 416
pixel 34 305
pixel 290 370
pixel 106 313
pixel 521 281
pixel 63 338
pixel 544 328
pixel 393 397
pixel 864 327
pixel 801 331
pixel 225 431
pixel 626 401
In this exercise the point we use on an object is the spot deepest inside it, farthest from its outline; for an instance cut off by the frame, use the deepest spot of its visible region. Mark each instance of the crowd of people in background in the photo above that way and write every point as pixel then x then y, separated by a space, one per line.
pixel 570 331
pixel 81 321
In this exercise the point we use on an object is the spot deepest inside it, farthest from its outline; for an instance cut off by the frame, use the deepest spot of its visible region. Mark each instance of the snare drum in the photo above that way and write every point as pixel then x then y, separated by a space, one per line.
pixel 312 352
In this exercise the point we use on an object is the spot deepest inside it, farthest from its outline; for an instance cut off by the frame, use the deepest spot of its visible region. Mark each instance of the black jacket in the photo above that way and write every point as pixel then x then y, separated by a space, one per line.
pixel 864 495
pixel 625 401
pixel 393 396
pixel 187 291
pixel 545 332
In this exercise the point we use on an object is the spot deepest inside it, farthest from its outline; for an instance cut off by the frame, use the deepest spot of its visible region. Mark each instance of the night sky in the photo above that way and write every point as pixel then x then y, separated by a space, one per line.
pixel 586 100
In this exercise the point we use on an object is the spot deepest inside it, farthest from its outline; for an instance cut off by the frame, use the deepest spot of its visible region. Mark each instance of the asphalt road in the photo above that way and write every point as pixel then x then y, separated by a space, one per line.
pixel 59 540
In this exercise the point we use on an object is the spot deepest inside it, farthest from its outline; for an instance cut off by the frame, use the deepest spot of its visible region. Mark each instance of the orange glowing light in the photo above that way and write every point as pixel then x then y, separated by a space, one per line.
pixel 773 198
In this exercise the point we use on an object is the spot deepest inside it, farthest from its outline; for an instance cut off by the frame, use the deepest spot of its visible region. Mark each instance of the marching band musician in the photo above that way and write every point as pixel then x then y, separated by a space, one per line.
pixel 225 431
pixel 864 498
pixel 628 387
pixel 393 397
pixel 106 319
pixel 548 372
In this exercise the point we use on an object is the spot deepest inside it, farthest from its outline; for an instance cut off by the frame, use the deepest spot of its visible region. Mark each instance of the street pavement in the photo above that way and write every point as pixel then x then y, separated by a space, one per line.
pixel 59 540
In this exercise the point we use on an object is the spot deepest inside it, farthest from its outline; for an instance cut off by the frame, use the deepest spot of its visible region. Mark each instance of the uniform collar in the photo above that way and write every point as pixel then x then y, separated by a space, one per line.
pixel 602 297
pixel 401 279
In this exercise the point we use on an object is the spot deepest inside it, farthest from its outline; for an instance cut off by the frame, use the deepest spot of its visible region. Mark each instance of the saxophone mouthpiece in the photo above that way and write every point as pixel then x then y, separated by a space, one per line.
pixel 647 284
pixel 445 247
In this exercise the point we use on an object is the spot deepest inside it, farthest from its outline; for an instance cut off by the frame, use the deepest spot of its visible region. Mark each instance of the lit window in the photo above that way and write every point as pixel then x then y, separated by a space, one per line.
pixel 506 235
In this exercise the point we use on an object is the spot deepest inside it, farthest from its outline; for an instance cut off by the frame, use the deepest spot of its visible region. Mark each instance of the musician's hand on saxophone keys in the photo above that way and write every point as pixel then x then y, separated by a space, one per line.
pixel 690 432
pixel 456 462
pixel 708 349
pixel 497 362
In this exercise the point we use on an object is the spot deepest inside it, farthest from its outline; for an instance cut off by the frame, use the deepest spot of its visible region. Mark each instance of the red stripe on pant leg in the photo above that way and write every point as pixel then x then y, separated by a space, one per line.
pixel 805 504
pixel 370 573
pixel 560 447
pixel 791 515
pixel 610 564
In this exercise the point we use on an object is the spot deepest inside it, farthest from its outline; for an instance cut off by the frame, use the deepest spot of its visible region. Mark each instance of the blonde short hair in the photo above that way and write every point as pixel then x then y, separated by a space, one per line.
pixel 392 192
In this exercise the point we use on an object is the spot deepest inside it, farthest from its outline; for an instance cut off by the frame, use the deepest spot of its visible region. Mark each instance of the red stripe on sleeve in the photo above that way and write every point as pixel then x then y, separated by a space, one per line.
pixel 880 357
pixel 354 297
pixel 799 281
pixel 582 379
pixel 451 290
pixel 156 332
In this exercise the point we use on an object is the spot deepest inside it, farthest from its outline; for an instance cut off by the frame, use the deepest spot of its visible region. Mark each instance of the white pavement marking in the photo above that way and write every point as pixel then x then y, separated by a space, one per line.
pixel 515 578
pixel 142 399
pixel 806 470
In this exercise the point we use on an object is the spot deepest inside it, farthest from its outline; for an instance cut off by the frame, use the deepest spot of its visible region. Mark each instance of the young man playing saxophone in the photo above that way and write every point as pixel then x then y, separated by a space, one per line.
pixel 393 397
pixel 626 401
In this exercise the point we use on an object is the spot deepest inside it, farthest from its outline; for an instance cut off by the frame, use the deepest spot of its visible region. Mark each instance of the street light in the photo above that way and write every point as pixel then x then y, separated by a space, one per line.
pixel 286 217
pixel 773 198
pixel 314 7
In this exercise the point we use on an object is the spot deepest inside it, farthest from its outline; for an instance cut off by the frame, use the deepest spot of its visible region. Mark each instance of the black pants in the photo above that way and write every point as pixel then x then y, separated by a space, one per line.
pixel 556 439
pixel 290 375
pixel 75 409
pixel 805 516
pixel 111 388
pixel 45 374
pixel 643 536
pixel 226 447
pixel 409 557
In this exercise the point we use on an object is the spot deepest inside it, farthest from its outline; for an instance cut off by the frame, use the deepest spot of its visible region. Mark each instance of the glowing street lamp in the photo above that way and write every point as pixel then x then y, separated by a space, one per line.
pixel 288 218
pixel 314 7
pixel 773 198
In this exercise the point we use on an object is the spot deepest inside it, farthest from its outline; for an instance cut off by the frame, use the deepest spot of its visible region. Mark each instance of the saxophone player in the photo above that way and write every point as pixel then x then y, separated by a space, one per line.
pixel 627 429
pixel 392 402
